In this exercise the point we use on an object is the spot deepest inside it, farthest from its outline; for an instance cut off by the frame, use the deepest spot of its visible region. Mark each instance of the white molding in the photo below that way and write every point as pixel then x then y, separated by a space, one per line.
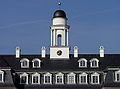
pixel 36 74
pixel 94 59
pixel 71 74
pixel 36 59
pixel 82 59
pixel 2 73
pixel 95 74
pixel 22 60
pixel 24 74
pixel 117 72
pixel 62 75
pixel 48 74
pixel 83 74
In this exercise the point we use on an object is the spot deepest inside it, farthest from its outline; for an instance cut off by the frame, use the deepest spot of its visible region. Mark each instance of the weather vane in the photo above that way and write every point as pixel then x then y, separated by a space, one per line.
pixel 59 4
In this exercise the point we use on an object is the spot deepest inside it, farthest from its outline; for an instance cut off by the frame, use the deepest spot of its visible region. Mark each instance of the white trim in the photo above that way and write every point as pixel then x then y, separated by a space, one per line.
pixel 83 74
pixel 62 75
pixel 82 59
pixel 117 72
pixel 36 74
pixel 24 74
pixel 97 75
pixel 94 59
pixel 71 74
pixel 2 72
pixel 48 74
pixel 22 60
pixel 36 59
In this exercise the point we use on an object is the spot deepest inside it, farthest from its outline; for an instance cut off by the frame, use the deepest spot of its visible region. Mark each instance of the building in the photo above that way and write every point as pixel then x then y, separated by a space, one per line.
pixel 60 69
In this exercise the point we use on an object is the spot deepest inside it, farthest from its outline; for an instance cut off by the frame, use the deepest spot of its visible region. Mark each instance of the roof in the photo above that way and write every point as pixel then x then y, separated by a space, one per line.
pixel 59 13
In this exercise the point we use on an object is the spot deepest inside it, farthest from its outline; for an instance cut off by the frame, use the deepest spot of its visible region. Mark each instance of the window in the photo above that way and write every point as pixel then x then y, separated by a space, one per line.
pixel 59 78
pixel 24 63
pixel 82 62
pixel 117 76
pixel 71 78
pixel 36 78
pixel 36 63
pixel 1 76
pixel 94 62
pixel 47 78
pixel 24 78
pixel 95 78
pixel 83 78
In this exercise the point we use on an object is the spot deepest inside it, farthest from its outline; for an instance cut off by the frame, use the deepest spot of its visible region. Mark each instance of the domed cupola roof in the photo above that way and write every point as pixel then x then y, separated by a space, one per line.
pixel 59 13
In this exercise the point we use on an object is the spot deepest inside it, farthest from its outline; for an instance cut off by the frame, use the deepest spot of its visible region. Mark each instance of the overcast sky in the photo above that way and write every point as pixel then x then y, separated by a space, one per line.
pixel 25 23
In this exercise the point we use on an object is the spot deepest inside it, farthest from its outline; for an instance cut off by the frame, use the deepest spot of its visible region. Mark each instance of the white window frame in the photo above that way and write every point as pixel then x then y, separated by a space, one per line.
pixel 60 74
pixel 117 72
pixel 36 74
pixel 82 59
pixel 22 60
pixel 48 74
pixel 2 73
pixel 36 59
pixel 83 74
pixel 71 74
pixel 94 59
pixel 24 74
pixel 95 74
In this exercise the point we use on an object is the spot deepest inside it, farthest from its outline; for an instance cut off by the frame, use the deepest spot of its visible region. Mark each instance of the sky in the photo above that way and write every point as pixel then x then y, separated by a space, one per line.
pixel 25 23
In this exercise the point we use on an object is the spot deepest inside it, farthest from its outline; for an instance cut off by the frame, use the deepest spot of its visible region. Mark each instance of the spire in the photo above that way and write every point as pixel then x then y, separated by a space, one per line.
pixel 59 4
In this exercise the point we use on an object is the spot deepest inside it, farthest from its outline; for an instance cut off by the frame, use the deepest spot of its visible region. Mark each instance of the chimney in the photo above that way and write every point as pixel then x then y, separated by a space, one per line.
pixel 101 49
pixel 43 52
pixel 18 52
pixel 75 51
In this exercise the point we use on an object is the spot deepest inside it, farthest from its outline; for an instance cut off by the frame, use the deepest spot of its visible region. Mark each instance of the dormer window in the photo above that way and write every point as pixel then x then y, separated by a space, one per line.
pixel 36 63
pixel 94 63
pixel 36 78
pixel 71 78
pixel 24 63
pixel 59 78
pixel 24 78
pixel 95 78
pixel 1 76
pixel 82 62
pixel 117 76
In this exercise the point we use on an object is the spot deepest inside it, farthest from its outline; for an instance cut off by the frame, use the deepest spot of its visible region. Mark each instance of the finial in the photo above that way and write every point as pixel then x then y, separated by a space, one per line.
pixel 59 4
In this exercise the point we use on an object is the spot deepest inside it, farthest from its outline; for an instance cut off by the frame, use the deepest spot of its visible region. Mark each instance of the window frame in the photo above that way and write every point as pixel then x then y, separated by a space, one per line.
pixel 97 63
pixel 117 72
pixel 33 61
pixel 62 75
pixel 2 79
pixel 48 74
pixel 80 60
pixel 38 75
pixel 71 74
pixel 85 75
pixel 97 75
pixel 23 60
pixel 22 75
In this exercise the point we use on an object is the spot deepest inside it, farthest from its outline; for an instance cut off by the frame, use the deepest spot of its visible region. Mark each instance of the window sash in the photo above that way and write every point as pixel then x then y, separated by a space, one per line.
pixel 23 80
pixel 1 77
pixel 47 79
pixel 118 76
pixel 71 79
pixel 95 79
pixel 35 79
pixel 36 64
pixel 59 79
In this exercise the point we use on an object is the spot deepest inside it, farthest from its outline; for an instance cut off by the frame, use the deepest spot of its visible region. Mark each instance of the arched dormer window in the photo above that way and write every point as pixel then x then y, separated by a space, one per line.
pixel 117 76
pixel 36 63
pixel 24 63
pixel 82 62
pixel 1 76
pixel 94 63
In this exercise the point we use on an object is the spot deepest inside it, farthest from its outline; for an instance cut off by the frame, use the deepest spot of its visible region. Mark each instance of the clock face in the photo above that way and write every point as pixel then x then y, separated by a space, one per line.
pixel 59 52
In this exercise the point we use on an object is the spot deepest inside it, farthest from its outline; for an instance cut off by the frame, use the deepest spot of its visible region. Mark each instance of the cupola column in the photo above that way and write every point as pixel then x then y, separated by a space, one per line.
pixel 67 37
pixel 54 38
pixel 51 37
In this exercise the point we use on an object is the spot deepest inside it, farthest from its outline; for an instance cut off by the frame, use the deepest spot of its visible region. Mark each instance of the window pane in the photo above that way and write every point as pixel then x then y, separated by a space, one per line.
pixel 71 79
pixel 83 79
pixel 0 77
pixel 94 63
pixel 36 64
pixel 95 79
pixel 35 79
pixel 59 79
pixel 47 79
pixel 118 77
pixel 82 63
pixel 23 79
pixel 24 63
